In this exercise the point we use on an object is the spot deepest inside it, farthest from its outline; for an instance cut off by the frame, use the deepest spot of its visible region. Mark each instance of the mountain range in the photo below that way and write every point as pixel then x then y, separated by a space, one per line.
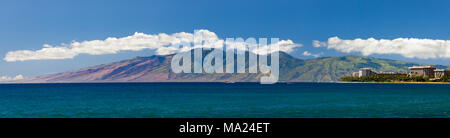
pixel 157 68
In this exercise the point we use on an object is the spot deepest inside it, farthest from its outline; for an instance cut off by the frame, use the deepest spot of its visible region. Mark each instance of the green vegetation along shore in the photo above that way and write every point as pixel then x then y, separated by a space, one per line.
pixel 376 78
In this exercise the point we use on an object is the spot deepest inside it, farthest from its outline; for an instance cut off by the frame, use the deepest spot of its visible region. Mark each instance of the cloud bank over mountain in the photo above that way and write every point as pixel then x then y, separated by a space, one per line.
pixel 165 44
pixel 407 47
pixel 162 44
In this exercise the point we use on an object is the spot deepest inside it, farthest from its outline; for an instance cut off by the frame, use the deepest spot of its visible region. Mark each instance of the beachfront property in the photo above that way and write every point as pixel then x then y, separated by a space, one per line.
pixel 370 72
pixel 428 72
pixel 439 73
pixel 422 71
pixel 366 72
pixel 355 74
pixel 414 71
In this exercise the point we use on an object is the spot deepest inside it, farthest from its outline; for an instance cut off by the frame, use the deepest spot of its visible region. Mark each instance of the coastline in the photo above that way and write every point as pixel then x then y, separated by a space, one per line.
pixel 398 82
pixel 281 82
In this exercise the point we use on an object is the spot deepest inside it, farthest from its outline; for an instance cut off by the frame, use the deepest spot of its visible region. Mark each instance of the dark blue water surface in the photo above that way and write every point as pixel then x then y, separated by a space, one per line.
pixel 169 100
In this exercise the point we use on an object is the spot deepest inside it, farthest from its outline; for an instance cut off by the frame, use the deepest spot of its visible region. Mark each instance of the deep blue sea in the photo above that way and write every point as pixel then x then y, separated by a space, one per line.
pixel 253 100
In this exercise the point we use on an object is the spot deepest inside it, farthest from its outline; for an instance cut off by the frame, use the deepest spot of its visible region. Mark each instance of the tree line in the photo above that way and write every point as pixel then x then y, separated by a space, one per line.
pixel 392 78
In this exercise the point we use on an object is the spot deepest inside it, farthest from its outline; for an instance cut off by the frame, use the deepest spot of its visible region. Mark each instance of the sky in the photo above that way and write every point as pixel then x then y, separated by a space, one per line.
pixel 51 36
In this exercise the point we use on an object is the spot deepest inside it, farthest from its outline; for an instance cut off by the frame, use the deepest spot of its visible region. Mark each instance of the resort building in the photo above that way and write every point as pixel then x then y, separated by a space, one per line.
pixel 355 74
pixel 428 72
pixel 414 71
pixel 366 72
pixel 440 73
pixel 422 71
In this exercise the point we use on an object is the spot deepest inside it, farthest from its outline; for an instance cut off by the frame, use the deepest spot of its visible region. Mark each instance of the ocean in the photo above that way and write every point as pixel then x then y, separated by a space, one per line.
pixel 224 100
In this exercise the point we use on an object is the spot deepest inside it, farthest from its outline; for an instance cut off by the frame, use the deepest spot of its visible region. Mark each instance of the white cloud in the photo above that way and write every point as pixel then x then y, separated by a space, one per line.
pixel 307 53
pixel 7 78
pixel 284 45
pixel 317 43
pixel 407 47
pixel 162 43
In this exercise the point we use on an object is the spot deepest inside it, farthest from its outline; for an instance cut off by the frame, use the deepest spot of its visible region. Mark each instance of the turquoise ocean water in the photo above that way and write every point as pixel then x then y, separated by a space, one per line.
pixel 174 100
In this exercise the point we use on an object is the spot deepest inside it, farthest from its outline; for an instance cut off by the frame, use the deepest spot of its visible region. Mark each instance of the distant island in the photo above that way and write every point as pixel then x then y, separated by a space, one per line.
pixel 416 74
pixel 156 68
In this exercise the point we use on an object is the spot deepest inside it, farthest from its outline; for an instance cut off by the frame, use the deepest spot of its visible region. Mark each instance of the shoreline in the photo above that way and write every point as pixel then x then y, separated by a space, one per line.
pixel 284 82
pixel 399 82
